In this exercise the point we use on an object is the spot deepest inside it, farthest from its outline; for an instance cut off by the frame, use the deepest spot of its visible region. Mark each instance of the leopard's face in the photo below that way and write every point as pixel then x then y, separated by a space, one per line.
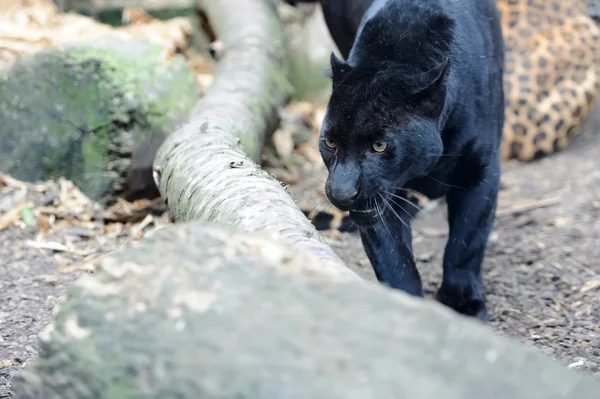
pixel 552 74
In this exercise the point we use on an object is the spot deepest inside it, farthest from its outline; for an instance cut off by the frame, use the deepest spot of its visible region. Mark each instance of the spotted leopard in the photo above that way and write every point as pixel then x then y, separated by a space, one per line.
pixel 551 82
pixel 552 74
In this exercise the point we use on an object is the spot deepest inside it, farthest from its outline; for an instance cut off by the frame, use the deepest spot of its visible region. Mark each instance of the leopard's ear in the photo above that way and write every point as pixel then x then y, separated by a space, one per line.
pixel 339 69
pixel 433 80
pixel 428 90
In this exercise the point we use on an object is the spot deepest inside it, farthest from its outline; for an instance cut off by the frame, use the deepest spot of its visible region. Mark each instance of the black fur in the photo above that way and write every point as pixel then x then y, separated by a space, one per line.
pixel 425 78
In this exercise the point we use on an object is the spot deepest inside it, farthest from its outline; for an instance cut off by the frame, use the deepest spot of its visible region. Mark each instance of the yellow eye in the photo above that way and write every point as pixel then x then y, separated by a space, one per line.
pixel 330 143
pixel 379 147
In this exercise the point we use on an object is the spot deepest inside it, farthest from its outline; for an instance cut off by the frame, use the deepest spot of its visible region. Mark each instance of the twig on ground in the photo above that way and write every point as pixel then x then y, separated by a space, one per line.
pixel 56 246
pixel 528 206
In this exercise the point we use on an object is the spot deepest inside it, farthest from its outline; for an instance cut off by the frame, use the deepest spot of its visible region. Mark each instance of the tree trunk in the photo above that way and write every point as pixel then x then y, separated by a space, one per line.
pixel 208 168
pixel 206 311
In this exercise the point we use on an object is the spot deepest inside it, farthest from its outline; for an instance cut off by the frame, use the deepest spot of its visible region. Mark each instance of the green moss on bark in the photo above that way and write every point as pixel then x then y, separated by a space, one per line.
pixel 77 111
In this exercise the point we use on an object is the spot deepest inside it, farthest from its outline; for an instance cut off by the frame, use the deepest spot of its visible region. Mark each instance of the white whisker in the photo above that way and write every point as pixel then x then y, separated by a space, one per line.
pixel 405 200
pixel 380 214
pixel 442 183
pixel 402 208
pixel 386 202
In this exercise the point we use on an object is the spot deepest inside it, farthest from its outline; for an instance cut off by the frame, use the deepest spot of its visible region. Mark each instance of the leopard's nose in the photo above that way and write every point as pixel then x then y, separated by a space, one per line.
pixel 343 197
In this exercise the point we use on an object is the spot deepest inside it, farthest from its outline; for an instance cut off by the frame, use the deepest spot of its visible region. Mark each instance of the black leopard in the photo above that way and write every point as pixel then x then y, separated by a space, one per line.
pixel 417 106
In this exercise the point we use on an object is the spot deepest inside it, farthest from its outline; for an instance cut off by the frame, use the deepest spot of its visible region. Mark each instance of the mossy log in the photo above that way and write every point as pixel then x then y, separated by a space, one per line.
pixel 208 169
pixel 81 111
pixel 207 311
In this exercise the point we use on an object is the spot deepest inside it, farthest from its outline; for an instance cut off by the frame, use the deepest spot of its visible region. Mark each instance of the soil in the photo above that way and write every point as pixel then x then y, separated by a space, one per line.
pixel 542 269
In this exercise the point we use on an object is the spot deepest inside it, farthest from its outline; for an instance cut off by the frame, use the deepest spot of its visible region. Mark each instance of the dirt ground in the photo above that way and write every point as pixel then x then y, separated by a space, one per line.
pixel 542 268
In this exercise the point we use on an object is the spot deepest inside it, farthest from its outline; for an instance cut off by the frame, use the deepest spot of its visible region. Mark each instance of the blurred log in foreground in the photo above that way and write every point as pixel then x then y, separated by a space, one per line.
pixel 205 311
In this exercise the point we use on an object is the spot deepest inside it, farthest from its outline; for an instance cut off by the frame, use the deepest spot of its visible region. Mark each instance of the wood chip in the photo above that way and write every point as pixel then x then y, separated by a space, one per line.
pixel 56 246
pixel 12 182
pixel 138 229
pixel 10 217
pixel 590 286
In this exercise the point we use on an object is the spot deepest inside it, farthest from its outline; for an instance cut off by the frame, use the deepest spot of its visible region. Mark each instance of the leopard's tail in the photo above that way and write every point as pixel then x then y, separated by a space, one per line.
pixel 331 220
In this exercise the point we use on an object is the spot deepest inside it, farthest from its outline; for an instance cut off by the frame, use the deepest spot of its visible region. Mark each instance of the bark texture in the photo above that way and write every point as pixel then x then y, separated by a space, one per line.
pixel 208 168
pixel 225 315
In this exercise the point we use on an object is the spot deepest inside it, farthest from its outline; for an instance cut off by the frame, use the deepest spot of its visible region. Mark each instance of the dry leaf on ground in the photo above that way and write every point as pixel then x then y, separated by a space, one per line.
pixel 130 212
pixel 39 25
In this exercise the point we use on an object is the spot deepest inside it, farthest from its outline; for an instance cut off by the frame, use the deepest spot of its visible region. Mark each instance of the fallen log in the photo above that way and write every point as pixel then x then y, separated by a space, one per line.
pixel 208 168
pixel 207 311
pixel 86 106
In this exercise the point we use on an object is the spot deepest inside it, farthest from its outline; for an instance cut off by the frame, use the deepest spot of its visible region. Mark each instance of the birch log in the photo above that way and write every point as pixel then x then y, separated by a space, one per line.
pixel 208 168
